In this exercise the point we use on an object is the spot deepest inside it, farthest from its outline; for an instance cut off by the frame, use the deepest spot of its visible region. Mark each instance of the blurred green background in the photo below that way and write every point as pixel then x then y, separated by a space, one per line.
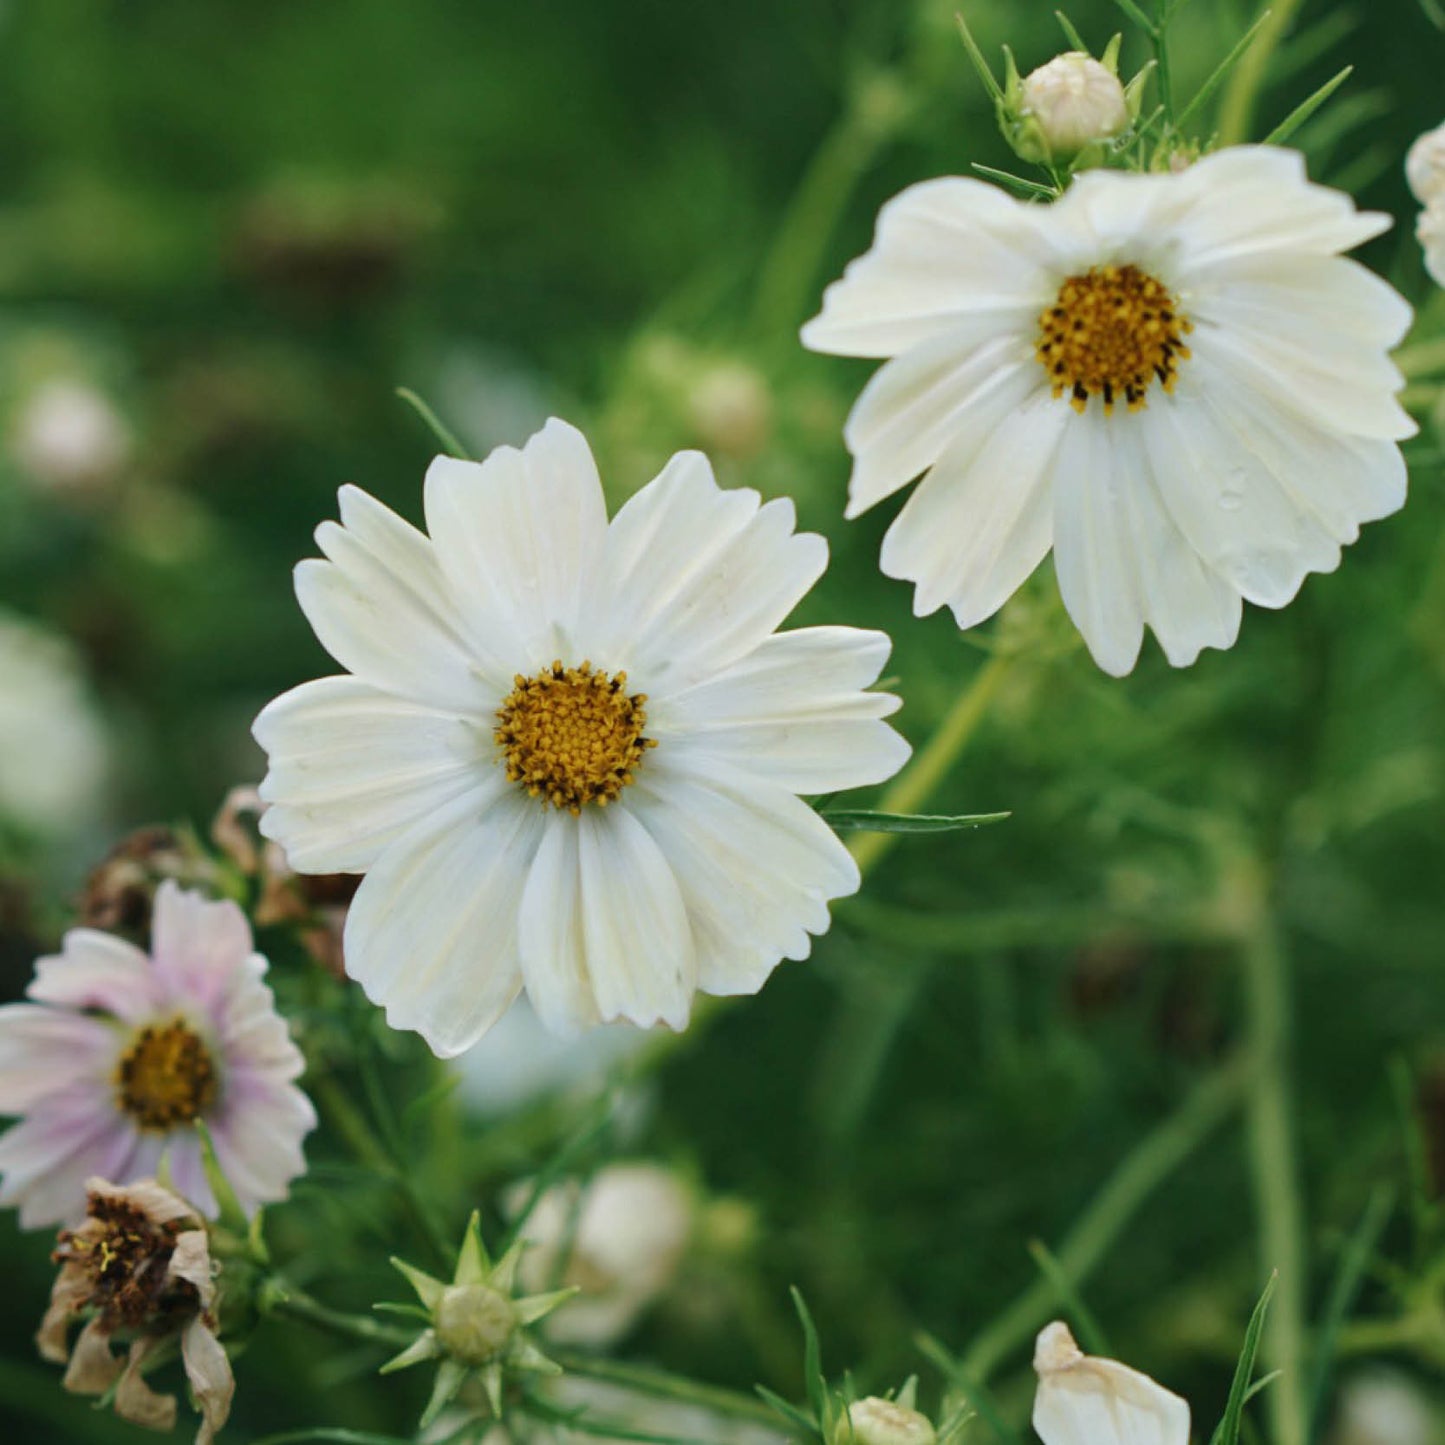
pixel 229 231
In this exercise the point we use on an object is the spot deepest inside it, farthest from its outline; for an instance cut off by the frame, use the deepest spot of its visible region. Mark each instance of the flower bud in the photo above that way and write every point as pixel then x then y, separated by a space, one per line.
pixel 1425 166
pixel 1069 104
pixel 873 1421
pixel 1430 232
pixel 474 1322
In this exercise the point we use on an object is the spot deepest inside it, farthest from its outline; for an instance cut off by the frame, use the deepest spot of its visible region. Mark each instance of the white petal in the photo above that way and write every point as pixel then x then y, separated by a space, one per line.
pixel 553 946
pixel 1250 200
pixel 695 577
pixel 640 956
pixel 199 945
pixel 258 1136
pixel 352 768
pixel 1188 605
pixel 1092 553
pixel 755 864
pixel 982 520
pixel 941 393
pixel 518 536
pixel 794 711
pixel 44 1049
pixel 946 251
pixel 1084 1400
pixel 379 607
pixel 97 970
pixel 1226 499
pixel 432 932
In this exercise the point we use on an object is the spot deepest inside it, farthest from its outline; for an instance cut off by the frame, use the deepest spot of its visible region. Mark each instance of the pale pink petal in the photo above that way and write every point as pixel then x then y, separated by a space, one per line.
pixel 96 970
pixel 44 1049
pixel 199 945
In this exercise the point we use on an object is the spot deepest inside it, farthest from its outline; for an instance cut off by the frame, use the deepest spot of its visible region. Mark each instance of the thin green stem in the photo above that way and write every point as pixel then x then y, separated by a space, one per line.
pixel 1275 1170
pixel 1160 37
pixel 1242 91
pixel 647 1380
pixel 295 1304
pixel 916 784
pixel 1102 1224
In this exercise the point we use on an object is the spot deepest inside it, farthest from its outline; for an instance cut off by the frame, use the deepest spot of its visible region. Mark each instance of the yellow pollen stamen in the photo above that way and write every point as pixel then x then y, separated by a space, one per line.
pixel 571 735
pixel 1111 333
pixel 166 1077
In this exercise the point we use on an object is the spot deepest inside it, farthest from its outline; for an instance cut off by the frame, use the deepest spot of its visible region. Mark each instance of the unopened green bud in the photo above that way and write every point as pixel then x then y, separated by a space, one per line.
pixel 474 1322
pixel 873 1421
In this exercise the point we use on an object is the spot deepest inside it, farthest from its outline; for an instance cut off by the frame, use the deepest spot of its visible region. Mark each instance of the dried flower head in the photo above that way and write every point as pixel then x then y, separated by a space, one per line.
pixel 140 1266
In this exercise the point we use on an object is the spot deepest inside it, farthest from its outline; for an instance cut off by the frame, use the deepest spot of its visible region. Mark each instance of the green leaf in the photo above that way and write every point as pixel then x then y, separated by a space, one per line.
pixel 1030 189
pixel 1088 1330
pixel 972 1390
pixel 788 1411
pixel 864 820
pixel 979 63
pixel 1306 108
pixel 1227 1431
pixel 434 424
pixel 1221 71
pixel 1070 33
pixel 813 1378
pixel 1139 18
pixel 1345 1286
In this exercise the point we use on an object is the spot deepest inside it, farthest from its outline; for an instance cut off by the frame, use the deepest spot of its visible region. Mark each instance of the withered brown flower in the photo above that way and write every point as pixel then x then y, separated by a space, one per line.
pixel 141 1265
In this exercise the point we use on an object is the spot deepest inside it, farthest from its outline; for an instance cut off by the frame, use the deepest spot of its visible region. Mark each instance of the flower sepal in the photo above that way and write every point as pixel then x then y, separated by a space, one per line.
pixel 477 1325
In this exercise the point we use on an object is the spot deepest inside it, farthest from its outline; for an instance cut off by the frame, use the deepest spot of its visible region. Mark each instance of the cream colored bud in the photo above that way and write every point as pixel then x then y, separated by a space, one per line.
pixel 1425 166
pixel 873 1421
pixel 1084 1400
pixel 1075 102
pixel 1430 232
pixel 474 1322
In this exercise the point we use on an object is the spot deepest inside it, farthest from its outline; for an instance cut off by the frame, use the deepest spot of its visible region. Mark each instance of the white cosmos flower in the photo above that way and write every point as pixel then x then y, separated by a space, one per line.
pixel 570 752
pixel 1174 381
pixel 1085 1400
pixel 1425 166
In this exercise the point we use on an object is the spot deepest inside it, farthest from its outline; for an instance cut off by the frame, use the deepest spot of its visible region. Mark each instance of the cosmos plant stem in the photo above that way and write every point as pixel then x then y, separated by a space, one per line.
pixel 662 1384
pixel 919 780
pixel 1275 1171
pixel 286 1299
pixel 1241 91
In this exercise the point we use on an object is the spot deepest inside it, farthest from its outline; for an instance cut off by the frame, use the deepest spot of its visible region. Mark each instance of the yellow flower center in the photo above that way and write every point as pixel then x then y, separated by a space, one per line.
pixel 572 736
pixel 166 1077
pixel 1111 333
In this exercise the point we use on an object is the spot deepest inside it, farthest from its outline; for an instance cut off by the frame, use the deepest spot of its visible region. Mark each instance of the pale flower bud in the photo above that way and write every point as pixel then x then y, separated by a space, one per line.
pixel 1430 232
pixel 1074 101
pixel 1083 1400
pixel 873 1421
pixel 1425 166
pixel 70 436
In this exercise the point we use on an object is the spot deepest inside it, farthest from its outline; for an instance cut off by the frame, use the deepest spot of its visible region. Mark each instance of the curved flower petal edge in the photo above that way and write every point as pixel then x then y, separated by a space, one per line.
pixel 569 753
pixel 119 1054
pixel 1174 382
pixel 1085 1400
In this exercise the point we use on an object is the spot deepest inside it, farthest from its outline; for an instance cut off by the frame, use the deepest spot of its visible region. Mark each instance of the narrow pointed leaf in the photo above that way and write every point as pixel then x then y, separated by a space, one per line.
pixel 434 424
pixel 1091 1336
pixel 531 1308
pixel 1227 1431
pixel 862 819
pixel 813 1378
pixel 1221 71
pixel 428 1290
pixel 790 1412
pixel 423 1347
pixel 450 1375
pixel 1070 33
pixel 979 63
pixel 1306 108
pixel 473 1265
pixel 1034 190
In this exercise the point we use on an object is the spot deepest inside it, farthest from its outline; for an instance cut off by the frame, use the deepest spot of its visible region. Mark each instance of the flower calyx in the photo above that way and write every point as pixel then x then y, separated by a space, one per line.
pixel 477 1324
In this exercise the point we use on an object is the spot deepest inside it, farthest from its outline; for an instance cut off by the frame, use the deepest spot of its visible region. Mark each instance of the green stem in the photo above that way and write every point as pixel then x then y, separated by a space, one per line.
pixel 1160 38
pixel 1242 90
pixel 665 1386
pixel 916 784
pixel 1102 1224
pixel 1275 1170
pixel 285 1299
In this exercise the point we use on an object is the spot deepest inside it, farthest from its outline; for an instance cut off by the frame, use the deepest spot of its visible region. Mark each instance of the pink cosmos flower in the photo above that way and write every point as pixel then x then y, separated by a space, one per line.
pixel 120 1053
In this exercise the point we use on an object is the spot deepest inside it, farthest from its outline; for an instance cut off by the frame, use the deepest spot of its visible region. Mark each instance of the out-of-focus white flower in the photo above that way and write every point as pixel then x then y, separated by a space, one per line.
pixel 119 1053
pixel 520 1060
pixel 1430 232
pixel 1074 102
pixel 875 1421
pixel 1425 166
pixel 1173 381
pixel 731 409
pixel 628 1229
pixel 1085 1400
pixel 570 753
pixel 70 435
pixel 1385 1407
pixel 54 751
